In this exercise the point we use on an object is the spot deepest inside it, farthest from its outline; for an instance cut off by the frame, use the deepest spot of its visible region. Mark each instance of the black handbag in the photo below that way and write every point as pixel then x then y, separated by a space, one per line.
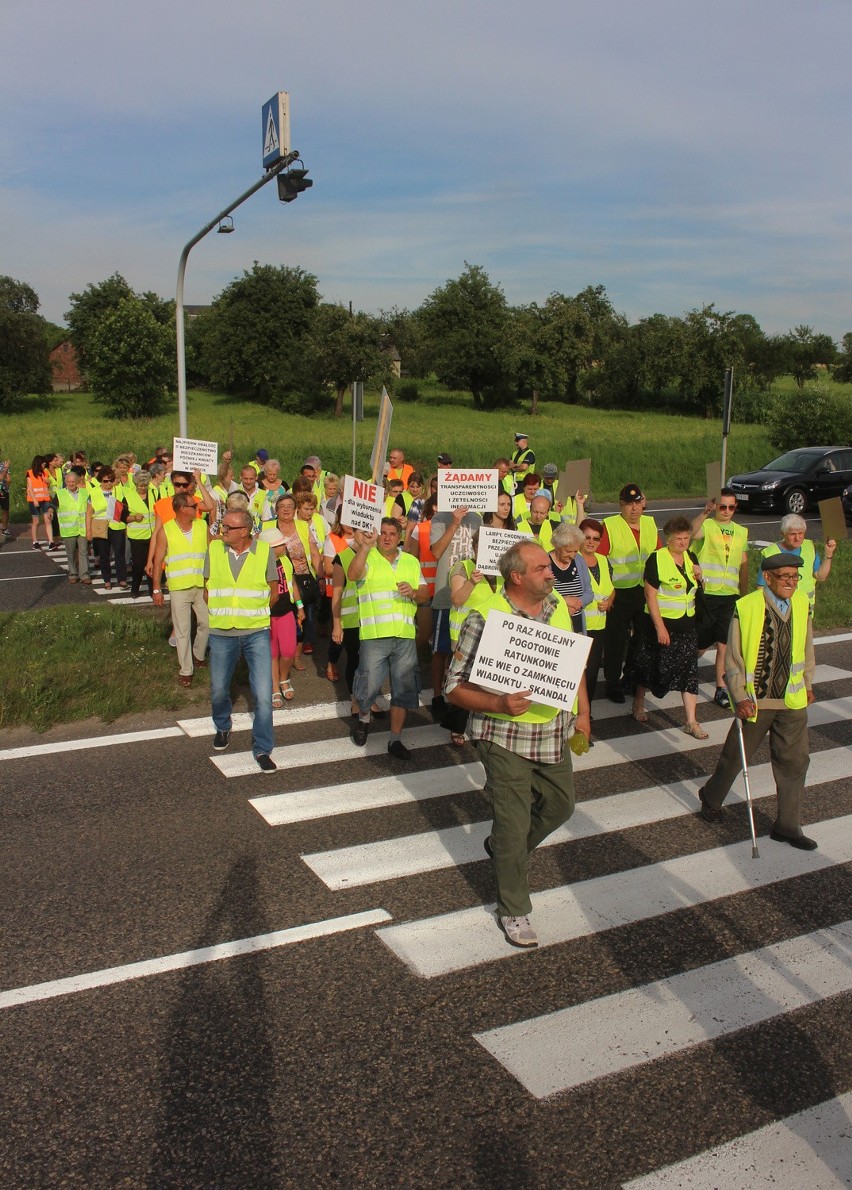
pixel 309 589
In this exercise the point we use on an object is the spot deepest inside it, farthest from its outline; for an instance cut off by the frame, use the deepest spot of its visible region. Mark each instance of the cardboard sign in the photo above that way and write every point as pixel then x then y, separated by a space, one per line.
pixel 380 443
pixel 714 480
pixel 363 504
pixel 833 519
pixel 519 654
pixel 475 488
pixel 575 477
pixel 493 544
pixel 191 454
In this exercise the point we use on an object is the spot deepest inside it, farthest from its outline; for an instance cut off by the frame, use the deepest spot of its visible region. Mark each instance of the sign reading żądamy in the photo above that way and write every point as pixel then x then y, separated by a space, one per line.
pixel 475 488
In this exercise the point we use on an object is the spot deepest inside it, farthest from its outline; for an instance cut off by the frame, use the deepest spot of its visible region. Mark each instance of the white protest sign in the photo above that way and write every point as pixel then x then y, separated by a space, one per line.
pixel 191 454
pixel 363 503
pixel 475 488
pixel 493 544
pixel 519 654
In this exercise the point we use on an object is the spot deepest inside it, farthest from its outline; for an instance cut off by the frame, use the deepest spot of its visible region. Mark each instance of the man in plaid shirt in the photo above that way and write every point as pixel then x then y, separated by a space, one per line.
pixel 529 774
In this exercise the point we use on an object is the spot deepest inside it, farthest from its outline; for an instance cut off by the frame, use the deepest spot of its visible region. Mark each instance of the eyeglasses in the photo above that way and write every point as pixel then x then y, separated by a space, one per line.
pixel 230 528
pixel 787 578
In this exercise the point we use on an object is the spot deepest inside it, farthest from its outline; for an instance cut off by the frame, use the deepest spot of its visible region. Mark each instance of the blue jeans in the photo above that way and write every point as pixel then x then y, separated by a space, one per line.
pixel 224 653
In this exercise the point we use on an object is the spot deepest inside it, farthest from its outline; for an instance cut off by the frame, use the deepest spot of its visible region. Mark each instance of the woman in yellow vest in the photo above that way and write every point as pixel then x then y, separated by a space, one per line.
pixel 603 592
pixel 104 530
pixel 140 523
pixel 303 552
pixel 666 656
pixel 793 541
pixel 284 614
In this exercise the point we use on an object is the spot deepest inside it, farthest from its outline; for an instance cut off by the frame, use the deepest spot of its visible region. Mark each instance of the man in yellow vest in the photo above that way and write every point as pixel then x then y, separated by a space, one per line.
pixel 390 587
pixel 241 574
pixel 721 549
pixel 769 667
pixel 71 505
pixel 628 540
pixel 523 459
pixel 182 546
pixel 522 745
pixel 538 524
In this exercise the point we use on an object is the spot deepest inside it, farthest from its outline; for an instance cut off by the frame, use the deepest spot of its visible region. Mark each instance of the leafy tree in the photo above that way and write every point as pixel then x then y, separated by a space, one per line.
pixel 24 364
pixel 843 367
pixel 258 339
pixel 465 323
pixel 547 346
pixel 711 345
pixel 347 347
pixel 824 418
pixel 404 330
pixel 89 308
pixel 805 351
pixel 132 361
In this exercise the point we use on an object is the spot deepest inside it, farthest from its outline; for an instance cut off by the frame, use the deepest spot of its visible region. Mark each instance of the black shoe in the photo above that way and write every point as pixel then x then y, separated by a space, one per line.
pixel 398 749
pixel 54 545
pixel 721 698
pixel 266 764
pixel 359 733
pixel 221 741
pixel 489 850
pixel 615 695
pixel 802 842
pixel 708 813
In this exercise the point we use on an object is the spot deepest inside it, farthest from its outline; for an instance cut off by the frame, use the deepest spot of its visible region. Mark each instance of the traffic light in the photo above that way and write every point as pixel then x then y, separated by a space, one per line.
pixel 291 184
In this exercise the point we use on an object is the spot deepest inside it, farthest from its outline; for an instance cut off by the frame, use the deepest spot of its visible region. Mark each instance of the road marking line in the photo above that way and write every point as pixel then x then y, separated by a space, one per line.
pixel 453 941
pixel 190 958
pixel 102 741
pixel 810 1148
pixel 29 578
pixel 576 1045
pixel 313 712
pixel 432 851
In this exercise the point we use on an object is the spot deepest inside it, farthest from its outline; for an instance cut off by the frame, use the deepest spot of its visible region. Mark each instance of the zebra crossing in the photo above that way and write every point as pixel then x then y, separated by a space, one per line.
pixel 574 1046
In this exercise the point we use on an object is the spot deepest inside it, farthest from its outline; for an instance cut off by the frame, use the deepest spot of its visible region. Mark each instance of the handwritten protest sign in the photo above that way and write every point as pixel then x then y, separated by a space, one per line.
pixel 714 480
pixel 191 454
pixel 519 654
pixel 493 544
pixel 474 488
pixel 362 504
pixel 380 442
pixel 576 476
pixel 833 519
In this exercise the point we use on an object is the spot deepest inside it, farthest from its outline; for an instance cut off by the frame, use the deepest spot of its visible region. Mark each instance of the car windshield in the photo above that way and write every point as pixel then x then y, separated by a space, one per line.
pixel 793 460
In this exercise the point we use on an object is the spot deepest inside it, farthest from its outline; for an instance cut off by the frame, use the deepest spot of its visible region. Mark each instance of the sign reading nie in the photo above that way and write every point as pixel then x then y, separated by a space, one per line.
pixel 363 502
pixel 519 654
pixel 493 544
pixel 475 488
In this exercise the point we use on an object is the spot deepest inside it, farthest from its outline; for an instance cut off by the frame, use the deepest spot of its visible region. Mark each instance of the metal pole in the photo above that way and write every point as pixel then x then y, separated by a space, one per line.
pixel 726 419
pixel 179 328
pixel 755 854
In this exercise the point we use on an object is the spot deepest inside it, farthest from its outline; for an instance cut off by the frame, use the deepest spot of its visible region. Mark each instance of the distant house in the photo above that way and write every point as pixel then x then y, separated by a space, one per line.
pixel 65 368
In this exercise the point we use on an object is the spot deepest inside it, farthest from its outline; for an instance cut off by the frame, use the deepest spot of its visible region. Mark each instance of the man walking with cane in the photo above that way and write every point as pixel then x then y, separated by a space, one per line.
pixel 769 666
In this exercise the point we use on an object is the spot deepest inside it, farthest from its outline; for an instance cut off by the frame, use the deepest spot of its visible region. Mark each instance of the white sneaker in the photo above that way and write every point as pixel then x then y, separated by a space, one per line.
pixel 518 931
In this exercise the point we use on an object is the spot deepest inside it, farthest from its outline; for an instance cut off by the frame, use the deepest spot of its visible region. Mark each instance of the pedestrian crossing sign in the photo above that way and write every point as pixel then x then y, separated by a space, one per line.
pixel 275 121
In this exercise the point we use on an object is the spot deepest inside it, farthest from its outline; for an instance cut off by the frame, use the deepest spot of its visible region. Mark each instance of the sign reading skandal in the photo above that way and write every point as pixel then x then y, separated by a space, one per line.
pixel 519 654
pixel 363 503
pixel 475 488
pixel 493 544
pixel 192 454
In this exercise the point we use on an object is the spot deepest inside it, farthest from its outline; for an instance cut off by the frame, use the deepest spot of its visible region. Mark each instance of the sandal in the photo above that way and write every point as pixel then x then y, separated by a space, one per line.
pixel 331 673
pixel 307 650
pixel 696 731
pixel 639 714
pixel 277 701
pixel 185 680
pixel 287 690
pixel 458 739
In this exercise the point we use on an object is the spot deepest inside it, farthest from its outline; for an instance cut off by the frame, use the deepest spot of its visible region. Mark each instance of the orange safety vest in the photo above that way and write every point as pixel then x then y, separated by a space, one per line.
pixel 38 491
pixel 428 561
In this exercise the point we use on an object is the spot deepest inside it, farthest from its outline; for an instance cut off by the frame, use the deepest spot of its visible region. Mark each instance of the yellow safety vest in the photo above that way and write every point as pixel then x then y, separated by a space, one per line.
pixel 349 617
pixel 138 530
pixel 244 602
pixel 476 600
pixel 99 504
pixel 626 558
pixel 561 618
pixel 595 619
pixel 185 559
pixel 751 613
pixel 382 610
pixel 673 599
pixel 807 582
pixel 720 554
pixel 545 535
pixel 72 512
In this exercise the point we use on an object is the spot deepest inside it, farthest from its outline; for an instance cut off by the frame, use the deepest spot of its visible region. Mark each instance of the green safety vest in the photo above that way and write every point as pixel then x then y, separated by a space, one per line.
pixel 807 552
pixel 561 618
pixel 244 602
pixel 349 617
pixel 673 599
pixel 720 566
pixel 545 535
pixel 751 613
pixel 138 530
pixel 626 558
pixel 72 512
pixel 479 596
pixel 185 559
pixel 382 610
pixel 595 619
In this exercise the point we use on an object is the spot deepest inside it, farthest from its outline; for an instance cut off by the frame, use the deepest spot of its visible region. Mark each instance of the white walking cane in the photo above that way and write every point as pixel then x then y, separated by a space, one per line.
pixel 755 854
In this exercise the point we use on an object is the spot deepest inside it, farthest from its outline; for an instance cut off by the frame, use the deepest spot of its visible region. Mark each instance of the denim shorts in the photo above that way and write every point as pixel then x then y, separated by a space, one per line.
pixel 43 506
pixel 394 657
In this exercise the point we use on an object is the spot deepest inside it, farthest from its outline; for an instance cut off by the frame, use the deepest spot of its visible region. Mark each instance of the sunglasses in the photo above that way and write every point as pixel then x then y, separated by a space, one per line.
pixel 727 507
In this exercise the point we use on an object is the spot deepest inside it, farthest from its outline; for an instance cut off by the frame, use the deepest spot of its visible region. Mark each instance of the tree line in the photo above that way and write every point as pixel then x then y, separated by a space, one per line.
pixel 269 336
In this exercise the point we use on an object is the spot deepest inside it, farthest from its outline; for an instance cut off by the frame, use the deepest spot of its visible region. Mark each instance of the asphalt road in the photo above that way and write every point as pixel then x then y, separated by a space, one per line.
pixel 413 1047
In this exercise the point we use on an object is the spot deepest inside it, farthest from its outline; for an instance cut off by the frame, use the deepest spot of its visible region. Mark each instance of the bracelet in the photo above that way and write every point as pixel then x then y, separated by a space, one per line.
pixel 299 603
pixel 156 591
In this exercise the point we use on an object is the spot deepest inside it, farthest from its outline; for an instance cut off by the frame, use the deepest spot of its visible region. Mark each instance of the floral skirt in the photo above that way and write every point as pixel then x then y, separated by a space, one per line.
pixel 662 668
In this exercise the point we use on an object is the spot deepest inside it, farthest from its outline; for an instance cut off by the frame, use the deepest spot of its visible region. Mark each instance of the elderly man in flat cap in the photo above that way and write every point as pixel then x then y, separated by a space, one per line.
pixel 769 666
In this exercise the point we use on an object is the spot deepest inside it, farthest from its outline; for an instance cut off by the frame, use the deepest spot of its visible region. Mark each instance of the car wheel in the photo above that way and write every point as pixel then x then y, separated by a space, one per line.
pixel 795 501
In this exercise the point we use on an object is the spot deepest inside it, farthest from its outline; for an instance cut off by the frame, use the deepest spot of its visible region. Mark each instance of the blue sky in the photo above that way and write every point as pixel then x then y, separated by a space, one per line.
pixel 677 153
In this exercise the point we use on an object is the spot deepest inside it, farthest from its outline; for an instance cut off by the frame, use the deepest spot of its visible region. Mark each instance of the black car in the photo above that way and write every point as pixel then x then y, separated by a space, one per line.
pixel 847 502
pixel 796 480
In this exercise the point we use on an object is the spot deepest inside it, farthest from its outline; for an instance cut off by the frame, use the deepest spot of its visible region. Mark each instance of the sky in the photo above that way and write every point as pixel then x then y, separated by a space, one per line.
pixel 678 153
